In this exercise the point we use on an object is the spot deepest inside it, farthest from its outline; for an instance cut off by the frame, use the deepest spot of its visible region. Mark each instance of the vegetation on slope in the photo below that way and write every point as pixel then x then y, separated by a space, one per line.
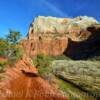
pixel 9 49
pixel 83 74
pixel 77 86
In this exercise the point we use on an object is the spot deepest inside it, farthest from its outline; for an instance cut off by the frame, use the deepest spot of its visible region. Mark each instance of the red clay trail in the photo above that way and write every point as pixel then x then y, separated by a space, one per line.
pixel 23 83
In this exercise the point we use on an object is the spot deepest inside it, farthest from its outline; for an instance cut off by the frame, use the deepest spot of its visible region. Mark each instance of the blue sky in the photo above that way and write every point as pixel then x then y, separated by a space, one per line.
pixel 18 14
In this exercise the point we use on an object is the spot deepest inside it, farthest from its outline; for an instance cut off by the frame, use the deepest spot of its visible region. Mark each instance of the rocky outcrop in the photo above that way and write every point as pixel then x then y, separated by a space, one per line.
pixel 55 36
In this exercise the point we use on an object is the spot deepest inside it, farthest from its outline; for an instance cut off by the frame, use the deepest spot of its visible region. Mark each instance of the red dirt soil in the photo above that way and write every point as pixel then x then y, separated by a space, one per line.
pixel 3 59
pixel 18 85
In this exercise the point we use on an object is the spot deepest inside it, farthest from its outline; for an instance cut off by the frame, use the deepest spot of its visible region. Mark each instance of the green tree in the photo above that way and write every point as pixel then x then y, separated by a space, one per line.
pixel 13 37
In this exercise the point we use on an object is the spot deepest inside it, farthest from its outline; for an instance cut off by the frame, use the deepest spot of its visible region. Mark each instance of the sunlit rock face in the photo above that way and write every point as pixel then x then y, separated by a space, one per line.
pixel 52 26
pixel 52 36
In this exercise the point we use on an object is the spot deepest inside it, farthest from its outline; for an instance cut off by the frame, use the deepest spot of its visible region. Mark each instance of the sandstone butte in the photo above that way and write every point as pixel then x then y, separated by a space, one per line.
pixel 22 82
pixel 76 38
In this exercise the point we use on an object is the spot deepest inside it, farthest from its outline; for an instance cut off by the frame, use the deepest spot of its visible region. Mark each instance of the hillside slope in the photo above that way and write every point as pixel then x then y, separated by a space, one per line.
pixel 23 83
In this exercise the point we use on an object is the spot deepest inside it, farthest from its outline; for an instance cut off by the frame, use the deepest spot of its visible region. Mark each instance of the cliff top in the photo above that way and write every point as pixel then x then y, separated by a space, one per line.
pixel 43 24
pixel 53 27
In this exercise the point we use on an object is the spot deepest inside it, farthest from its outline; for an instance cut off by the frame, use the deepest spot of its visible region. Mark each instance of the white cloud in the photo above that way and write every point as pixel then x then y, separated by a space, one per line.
pixel 54 8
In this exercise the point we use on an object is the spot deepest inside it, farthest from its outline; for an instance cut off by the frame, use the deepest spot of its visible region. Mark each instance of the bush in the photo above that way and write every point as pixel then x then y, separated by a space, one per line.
pixel 61 57
pixel 2 66
pixel 9 47
pixel 43 63
pixel 42 60
pixel 3 47
pixel 12 52
pixel 16 53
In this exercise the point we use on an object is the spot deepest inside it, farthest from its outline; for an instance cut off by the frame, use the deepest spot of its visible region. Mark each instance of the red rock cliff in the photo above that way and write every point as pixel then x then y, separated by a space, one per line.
pixel 53 36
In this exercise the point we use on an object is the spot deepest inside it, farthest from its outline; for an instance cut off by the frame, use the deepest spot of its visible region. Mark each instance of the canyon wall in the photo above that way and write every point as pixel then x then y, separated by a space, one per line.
pixel 56 36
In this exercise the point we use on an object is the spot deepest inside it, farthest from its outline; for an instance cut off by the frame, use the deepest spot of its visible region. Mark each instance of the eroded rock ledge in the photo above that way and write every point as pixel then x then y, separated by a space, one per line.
pixel 56 36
